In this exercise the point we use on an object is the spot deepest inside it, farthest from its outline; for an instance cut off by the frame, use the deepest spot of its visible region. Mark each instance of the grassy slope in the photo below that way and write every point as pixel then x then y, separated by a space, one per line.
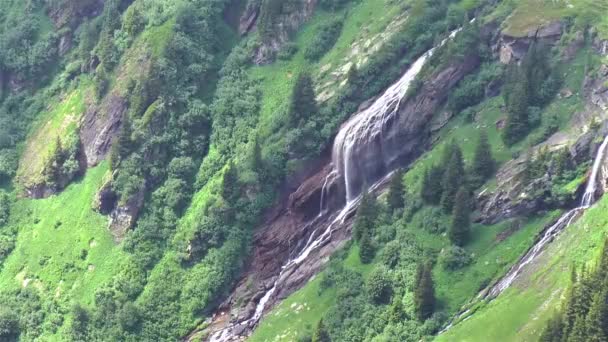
pixel 59 122
pixel 53 235
pixel 526 306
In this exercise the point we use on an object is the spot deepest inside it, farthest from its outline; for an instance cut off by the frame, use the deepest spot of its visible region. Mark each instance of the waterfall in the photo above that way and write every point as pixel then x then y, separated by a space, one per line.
pixel 564 221
pixel 363 128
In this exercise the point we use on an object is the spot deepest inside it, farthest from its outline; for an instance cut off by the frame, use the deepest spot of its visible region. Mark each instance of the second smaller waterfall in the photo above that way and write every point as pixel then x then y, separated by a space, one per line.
pixel 564 221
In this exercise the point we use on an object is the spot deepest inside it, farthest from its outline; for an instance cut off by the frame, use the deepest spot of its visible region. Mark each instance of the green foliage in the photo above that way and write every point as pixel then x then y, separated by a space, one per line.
pixel 9 325
pixel 378 285
pixel 320 334
pixel 453 177
pixel 461 219
pixel 532 83
pixel 431 189
pixel 585 312
pixel 454 257
pixel 324 40
pixel 424 292
pixel 396 192
pixel 5 206
pixel 483 165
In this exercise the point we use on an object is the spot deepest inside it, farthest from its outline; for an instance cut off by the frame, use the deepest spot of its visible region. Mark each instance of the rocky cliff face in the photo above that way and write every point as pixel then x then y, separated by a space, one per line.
pixel 99 126
pixel 292 223
pixel 291 16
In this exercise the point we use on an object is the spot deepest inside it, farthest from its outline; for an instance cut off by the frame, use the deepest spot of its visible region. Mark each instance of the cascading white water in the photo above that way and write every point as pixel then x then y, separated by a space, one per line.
pixel 370 123
pixel 363 127
pixel 564 221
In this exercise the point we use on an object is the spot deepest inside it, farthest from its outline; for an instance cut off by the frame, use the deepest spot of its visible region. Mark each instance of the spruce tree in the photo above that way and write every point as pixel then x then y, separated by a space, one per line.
pixel 552 331
pixel 597 319
pixel 396 192
pixel 320 334
pixel 424 293
pixel 303 101
pixel 578 333
pixel 432 189
pixel 571 305
pixel 461 219
pixel 517 100
pixel 367 250
pixel 365 217
pixel 452 179
pixel 230 184
pixel 483 162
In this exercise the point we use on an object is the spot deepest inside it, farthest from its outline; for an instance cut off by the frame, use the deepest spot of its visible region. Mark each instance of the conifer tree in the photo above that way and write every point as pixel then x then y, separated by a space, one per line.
pixel 597 319
pixel 431 190
pixel 483 162
pixel 578 333
pixel 461 219
pixel 303 101
pixel 396 192
pixel 320 334
pixel 230 184
pixel 396 311
pixel 255 156
pixel 367 250
pixel 424 293
pixel 552 331
pixel 571 305
pixel 452 179
pixel 365 217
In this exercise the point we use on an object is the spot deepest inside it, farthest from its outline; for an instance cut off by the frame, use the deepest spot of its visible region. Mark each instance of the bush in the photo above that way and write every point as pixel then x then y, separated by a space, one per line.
pixel 454 257
pixel 288 51
pixel 379 285
pixel 325 39
pixel 9 325
pixel 390 254
pixel 4 207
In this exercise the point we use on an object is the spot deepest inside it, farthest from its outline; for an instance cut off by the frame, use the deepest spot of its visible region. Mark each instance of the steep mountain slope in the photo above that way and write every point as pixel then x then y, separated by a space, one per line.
pixel 293 170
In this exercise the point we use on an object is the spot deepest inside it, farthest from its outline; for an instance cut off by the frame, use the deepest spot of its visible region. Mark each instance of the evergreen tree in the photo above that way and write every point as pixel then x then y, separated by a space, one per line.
pixel 553 330
pixel 396 312
pixel 320 334
pixel 230 184
pixel 365 217
pixel 396 192
pixel 452 179
pixel 303 101
pixel 597 319
pixel 424 293
pixel 256 163
pixel 483 162
pixel 571 305
pixel 367 250
pixel 579 333
pixel 461 219
pixel 431 189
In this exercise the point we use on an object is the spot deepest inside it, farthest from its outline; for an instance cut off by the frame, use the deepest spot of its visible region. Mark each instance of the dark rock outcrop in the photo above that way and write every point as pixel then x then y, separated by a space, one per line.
pixel 515 48
pixel 99 126
pixel 291 17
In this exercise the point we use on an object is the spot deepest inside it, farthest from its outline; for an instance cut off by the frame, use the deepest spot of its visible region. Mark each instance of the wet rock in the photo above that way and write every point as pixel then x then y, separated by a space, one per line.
pixel 123 217
pixel 249 17
pixel 99 126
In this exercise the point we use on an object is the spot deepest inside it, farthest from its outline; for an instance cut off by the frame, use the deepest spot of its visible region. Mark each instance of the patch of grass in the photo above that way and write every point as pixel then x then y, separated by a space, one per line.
pixel 61 121
pixel 63 248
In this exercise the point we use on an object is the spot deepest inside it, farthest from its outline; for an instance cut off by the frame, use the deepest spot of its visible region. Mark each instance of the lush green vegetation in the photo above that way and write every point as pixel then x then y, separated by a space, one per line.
pixel 207 139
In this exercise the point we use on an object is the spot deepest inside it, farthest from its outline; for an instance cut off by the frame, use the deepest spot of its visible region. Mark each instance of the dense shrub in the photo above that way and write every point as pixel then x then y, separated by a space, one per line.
pixel 454 257
pixel 324 40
